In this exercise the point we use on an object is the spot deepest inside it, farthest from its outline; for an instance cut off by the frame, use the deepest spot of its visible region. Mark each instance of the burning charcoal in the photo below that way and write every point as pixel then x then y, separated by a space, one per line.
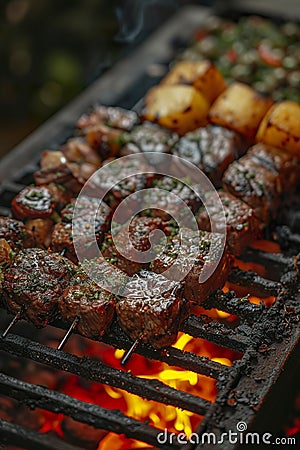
pixel 150 137
pixel 82 434
pixel 62 236
pixel 241 224
pixel 108 115
pixel 33 202
pixel 210 148
pixel 93 306
pixel 138 239
pixel 147 314
pixel 195 254
pixel 15 233
pixel 35 281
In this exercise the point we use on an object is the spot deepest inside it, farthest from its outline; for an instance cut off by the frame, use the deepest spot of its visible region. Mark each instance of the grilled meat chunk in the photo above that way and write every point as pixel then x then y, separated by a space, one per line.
pixel 140 229
pixel 259 187
pixel 35 281
pixel 145 310
pixel 108 115
pixel 15 233
pixel 202 254
pixel 210 148
pixel 62 235
pixel 52 158
pixel 285 165
pixel 150 137
pixel 241 224
pixel 165 202
pixel 93 305
pixel 6 253
pixel 79 151
pixel 33 202
pixel 41 230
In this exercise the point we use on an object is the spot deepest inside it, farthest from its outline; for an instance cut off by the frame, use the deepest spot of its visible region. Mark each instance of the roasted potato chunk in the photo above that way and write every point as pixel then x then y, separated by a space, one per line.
pixel 179 108
pixel 280 127
pixel 240 108
pixel 203 75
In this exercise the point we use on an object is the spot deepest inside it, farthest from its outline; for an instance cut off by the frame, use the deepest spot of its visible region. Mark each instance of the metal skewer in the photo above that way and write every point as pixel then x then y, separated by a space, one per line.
pixel 129 352
pixel 68 333
pixel 14 320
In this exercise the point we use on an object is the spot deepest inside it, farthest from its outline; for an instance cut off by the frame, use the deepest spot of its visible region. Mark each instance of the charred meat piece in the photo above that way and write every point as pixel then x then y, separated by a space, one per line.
pixel 35 281
pixel 33 202
pixel 259 187
pixel 108 115
pixel 278 161
pixel 105 140
pixel 6 254
pixel 210 148
pixel 93 305
pixel 79 151
pixel 150 137
pixel 140 229
pixel 62 235
pixel 15 233
pixel 41 230
pixel 123 170
pixel 202 254
pixel 241 224
pixel 151 306
pixel 167 202
pixel 52 158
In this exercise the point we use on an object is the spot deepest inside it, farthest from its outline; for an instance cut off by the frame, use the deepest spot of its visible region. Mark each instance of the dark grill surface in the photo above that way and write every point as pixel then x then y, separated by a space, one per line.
pixel 266 337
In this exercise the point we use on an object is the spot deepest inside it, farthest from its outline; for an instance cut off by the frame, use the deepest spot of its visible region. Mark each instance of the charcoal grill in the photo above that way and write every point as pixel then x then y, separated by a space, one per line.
pixel 267 338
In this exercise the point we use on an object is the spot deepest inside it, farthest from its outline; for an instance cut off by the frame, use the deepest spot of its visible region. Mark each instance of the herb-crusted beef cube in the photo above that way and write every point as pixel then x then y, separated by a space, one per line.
pixel 145 310
pixel 35 281
pixel 200 254
pixel 109 115
pixel 33 202
pixel 94 306
pixel 15 233
pixel 242 225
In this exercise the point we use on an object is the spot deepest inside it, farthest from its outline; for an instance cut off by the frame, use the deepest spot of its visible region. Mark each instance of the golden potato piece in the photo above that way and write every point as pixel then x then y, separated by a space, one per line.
pixel 179 108
pixel 203 75
pixel 240 108
pixel 281 127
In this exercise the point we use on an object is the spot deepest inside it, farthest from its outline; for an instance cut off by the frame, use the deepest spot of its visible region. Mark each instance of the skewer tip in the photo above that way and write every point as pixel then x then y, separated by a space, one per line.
pixel 14 320
pixel 68 333
pixel 130 351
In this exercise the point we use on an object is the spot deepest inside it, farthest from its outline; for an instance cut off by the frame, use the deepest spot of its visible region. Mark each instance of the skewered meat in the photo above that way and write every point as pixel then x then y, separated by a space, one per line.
pixel 210 148
pixel 15 233
pixel 150 137
pixel 259 178
pixel 139 230
pixel 33 202
pixel 93 305
pixel 144 310
pixel 108 115
pixel 35 281
pixel 41 230
pixel 165 202
pixel 241 224
pixel 62 236
pixel 196 253
pixel 79 151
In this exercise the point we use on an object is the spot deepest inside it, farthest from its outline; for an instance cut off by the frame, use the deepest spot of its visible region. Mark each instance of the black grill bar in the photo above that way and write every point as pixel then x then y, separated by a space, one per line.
pixel 257 285
pixel 172 356
pixel 267 259
pixel 57 402
pixel 237 306
pixel 99 372
pixel 25 438
pixel 286 239
pixel 215 332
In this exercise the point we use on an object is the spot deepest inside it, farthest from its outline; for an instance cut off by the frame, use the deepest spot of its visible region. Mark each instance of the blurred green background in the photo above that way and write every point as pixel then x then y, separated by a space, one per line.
pixel 51 49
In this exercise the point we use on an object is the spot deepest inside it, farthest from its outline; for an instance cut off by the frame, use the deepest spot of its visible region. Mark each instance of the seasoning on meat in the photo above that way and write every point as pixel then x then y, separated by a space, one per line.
pixel 108 115
pixel 145 311
pixel 15 233
pixel 33 202
pixel 94 306
pixel 35 281
pixel 242 225
pixel 200 253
